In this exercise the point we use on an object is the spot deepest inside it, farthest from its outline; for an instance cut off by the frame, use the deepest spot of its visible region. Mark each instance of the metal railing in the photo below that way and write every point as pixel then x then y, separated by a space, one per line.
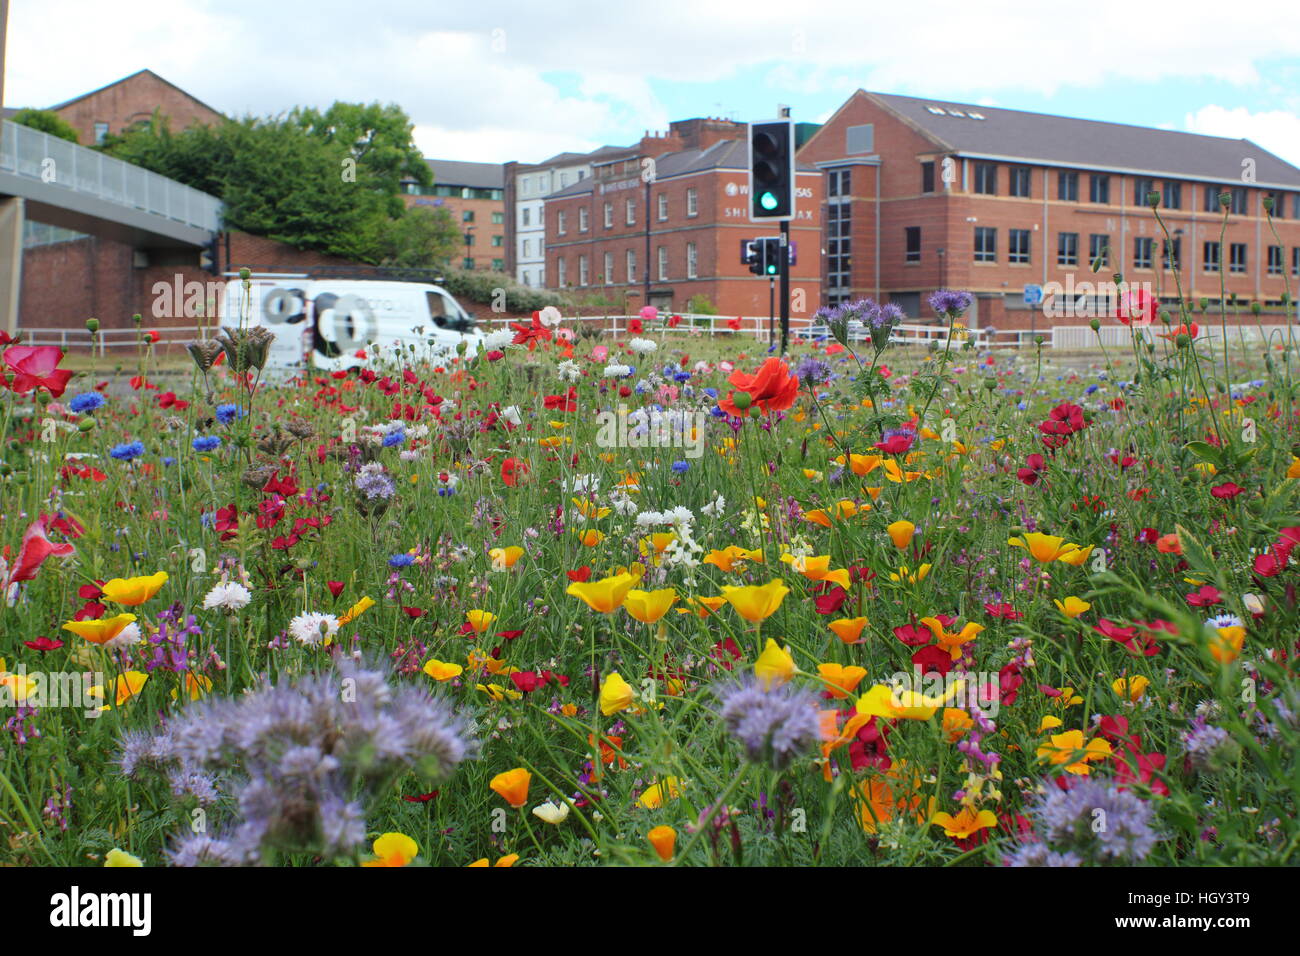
pixel 35 155
pixel 755 326
pixel 106 339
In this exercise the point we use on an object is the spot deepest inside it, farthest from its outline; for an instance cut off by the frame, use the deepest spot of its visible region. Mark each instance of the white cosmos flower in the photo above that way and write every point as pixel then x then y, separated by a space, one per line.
pixel 617 371
pixel 229 596
pixel 553 812
pixel 125 638
pixel 313 628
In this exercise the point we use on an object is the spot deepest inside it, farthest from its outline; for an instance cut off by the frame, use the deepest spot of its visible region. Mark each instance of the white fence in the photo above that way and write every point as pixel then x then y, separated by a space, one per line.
pixel 1119 336
pixel 106 339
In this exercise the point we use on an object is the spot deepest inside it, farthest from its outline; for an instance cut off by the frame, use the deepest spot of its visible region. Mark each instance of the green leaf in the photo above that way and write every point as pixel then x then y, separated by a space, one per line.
pixel 1206 452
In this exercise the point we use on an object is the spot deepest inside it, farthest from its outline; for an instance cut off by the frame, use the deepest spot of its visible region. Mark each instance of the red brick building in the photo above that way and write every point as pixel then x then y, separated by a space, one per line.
pixel 130 100
pixel 474 194
pixel 922 194
pixel 677 207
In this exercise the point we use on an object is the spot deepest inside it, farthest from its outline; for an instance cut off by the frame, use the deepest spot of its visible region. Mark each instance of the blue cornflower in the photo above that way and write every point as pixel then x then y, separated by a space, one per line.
pixel 207 443
pixel 401 561
pixel 681 467
pixel 127 450
pixel 711 392
pixel 228 413
pixel 395 437
pixel 682 376
pixel 86 402
pixel 1090 389
pixel 446 492
pixel 168 461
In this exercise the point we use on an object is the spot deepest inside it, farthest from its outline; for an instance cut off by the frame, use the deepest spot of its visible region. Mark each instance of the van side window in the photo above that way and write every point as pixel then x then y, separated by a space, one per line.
pixel 437 309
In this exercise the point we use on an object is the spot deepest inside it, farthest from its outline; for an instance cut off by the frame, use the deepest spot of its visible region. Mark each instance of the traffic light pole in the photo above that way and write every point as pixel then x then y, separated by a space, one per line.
pixel 785 284
pixel 771 310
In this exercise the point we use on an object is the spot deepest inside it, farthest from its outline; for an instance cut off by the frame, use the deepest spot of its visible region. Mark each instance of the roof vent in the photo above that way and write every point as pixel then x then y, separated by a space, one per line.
pixel 936 110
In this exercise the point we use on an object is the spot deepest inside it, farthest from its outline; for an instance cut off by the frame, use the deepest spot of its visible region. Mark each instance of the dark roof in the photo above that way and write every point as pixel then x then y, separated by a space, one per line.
pixel 725 154
pixel 450 172
pixel 1066 141
pixel 75 99
pixel 576 159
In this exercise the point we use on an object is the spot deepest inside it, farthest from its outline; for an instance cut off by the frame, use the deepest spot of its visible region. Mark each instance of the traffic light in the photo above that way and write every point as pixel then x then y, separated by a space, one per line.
pixel 771 256
pixel 771 171
pixel 208 255
pixel 753 256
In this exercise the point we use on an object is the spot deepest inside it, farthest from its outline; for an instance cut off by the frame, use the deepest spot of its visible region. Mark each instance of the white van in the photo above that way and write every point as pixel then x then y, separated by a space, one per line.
pixel 330 323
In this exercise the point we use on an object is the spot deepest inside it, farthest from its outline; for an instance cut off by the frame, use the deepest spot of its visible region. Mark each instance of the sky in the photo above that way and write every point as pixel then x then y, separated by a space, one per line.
pixel 496 81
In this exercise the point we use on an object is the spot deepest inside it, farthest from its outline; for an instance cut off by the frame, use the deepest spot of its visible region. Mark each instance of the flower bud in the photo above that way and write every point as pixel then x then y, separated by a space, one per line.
pixel 86 424
pixel 1153 199
pixel 1256 308
pixel 742 400
pixel 244 273
pixel 137 319
pixel 92 326
pixel 1095 325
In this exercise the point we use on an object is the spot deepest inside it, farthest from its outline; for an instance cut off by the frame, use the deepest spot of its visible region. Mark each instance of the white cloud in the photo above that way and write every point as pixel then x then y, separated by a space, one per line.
pixel 475 73
pixel 1277 131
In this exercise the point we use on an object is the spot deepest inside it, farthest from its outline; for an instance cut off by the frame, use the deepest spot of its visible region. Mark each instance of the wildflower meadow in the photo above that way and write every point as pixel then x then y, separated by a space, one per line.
pixel 565 598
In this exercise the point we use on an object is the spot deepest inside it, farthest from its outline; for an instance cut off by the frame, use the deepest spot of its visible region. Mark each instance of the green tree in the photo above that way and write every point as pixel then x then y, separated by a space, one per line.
pixel 421 238
pixel 47 121
pixel 378 139
pixel 329 181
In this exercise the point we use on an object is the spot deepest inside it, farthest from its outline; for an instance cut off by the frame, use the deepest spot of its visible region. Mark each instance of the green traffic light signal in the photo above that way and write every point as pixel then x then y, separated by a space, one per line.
pixel 767 201
pixel 771 269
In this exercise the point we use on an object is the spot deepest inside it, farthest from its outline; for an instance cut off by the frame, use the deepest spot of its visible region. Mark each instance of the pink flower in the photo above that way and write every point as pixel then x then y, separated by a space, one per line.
pixel 36 366
pixel 600 353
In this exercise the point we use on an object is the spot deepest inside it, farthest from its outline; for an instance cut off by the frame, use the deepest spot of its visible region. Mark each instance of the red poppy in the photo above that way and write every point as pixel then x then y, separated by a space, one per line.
pixel 772 388
pixel 634 326
pixel 1137 308
pixel 564 403
pixel 582 575
pixel 36 366
pixel 913 635
pixel 734 324
pixel 33 551
pixel 1207 595
pixel 44 644
pixel 530 335
pixel 413 612
pixel 1003 611
pixel 512 470
pixel 932 659
pixel 421 797
pixel 1035 465
pixel 898 443
pixel 1227 490
pixel 831 601
pixel 674 321
pixel 335 587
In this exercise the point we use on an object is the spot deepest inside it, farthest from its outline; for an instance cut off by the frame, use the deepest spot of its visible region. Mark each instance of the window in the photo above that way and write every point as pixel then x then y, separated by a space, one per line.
pixel 1143 252
pixel 528 277
pixel 1212 257
pixel 1018 245
pixel 469 238
pixel 607 274
pixel 1279 205
pixel 691 262
pixel 560 218
pixel 1275 260
pixel 630 218
pixel 663 263
pixel 582 219
pixel 1099 188
pixel 1099 250
pixel 1021 180
pixel 986 178
pixel 1211 194
pixel 498 240
pixel 528 248
pixel 663 207
pixel 609 215
pixel 582 270
pixel 1173 198
pixel 498 218
pixel 1295 261
pixel 467 262
pixel 1067 249
pixel 527 216
pixel 1141 189
pixel 498 265
pixel 927 176
pixel 1237 257
pixel 564 180
pixel 1172 256
pixel 467 215
pixel 541 277
pixel 913 244
pixel 692 202
pixel 835 228
pixel 986 244
pixel 859 139
pixel 1239 201
pixel 101 131
pixel 837 184
pixel 631 266
pixel 1067 186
